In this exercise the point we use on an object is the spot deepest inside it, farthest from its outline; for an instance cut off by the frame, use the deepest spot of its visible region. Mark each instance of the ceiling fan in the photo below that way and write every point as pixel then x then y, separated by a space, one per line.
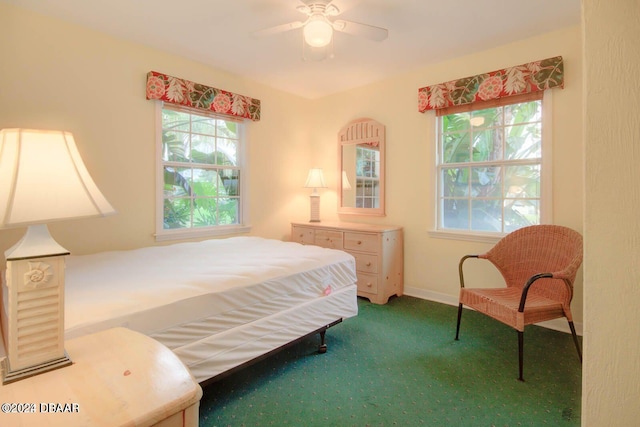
pixel 318 28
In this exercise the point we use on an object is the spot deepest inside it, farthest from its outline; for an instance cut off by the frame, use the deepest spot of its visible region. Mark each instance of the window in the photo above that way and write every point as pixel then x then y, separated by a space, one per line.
pixel 200 175
pixel 367 177
pixel 490 166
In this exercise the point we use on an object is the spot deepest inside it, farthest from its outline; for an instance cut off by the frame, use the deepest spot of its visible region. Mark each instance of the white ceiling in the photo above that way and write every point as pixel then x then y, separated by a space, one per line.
pixel 218 33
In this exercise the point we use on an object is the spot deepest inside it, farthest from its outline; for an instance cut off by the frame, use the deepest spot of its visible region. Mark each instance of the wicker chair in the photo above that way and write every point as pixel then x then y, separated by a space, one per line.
pixel 539 265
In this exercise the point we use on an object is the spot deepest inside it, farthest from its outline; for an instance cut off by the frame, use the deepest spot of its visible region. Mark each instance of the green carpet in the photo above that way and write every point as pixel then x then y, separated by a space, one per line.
pixel 398 364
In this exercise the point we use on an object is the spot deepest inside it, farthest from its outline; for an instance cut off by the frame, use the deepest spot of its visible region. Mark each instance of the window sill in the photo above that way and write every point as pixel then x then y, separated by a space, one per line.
pixel 166 235
pixel 466 236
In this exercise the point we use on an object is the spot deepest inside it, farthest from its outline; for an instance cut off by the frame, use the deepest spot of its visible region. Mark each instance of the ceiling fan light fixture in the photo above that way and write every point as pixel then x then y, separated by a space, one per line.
pixel 476 121
pixel 318 31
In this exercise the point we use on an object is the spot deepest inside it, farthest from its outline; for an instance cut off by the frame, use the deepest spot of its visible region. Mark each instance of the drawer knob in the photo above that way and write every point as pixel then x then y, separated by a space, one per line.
pixel 369 285
pixel 369 264
pixel 359 242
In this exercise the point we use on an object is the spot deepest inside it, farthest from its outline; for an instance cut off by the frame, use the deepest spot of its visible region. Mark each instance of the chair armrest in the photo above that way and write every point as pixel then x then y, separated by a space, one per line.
pixel 565 275
pixel 462 260
pixel 525 289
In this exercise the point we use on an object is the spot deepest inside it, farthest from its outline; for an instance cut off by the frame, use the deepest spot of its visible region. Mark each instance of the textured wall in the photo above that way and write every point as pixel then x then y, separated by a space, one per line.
pixel 611 386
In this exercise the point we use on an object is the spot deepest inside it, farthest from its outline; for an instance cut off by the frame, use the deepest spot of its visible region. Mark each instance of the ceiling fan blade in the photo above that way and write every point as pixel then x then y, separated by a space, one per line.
pixel 278 29
pixel 361 30
pixel 332 10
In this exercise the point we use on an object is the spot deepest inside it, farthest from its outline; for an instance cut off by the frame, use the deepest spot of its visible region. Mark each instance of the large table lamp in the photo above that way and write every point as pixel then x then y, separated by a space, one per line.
pixel 42 179
pixel 315 180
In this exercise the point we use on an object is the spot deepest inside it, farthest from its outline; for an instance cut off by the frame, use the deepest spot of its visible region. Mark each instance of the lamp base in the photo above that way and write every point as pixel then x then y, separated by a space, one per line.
pixel 9 376
pixel 33 317
pixel 315 207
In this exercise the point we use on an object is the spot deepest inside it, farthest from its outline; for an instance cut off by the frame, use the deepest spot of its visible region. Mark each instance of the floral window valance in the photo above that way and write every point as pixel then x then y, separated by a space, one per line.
pixel 184 92
pixel 532 77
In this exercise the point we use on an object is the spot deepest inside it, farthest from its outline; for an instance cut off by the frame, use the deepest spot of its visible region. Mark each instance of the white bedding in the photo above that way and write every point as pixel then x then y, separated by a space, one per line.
pixel 216 303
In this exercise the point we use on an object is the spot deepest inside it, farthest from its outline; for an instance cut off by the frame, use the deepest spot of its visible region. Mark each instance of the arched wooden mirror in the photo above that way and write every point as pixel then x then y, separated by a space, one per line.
pixel 361 167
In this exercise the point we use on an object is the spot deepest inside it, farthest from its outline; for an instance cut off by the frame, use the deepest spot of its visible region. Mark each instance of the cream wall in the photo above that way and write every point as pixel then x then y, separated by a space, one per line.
pixel 61 76
pixel 431 263
pixel 611 371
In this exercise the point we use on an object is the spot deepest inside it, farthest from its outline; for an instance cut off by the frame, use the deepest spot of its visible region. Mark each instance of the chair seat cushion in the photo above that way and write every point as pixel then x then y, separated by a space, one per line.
pixel 502 304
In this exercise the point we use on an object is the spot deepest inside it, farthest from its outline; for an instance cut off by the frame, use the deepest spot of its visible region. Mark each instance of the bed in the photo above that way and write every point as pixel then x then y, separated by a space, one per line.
pixel 217 304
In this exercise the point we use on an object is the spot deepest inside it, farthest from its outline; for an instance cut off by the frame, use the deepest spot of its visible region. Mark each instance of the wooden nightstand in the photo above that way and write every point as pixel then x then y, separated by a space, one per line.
pixel 378 250
pixel 118 377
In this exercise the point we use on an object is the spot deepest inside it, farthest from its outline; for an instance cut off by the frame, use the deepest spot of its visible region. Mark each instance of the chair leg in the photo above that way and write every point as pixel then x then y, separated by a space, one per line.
pixel 575 340
pixel 520 351
pixel 459 317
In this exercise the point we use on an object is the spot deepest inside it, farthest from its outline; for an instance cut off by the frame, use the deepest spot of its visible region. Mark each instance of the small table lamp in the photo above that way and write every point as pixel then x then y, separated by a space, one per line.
pixel 42 179
pixel 315 180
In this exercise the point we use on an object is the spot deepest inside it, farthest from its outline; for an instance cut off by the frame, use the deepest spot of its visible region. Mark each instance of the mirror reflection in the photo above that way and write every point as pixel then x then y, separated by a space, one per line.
pixel 362 168
pixel 361 145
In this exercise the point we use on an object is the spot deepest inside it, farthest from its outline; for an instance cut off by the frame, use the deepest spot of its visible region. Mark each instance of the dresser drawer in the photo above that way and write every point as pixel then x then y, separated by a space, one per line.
pixel 361 241
pixel 367 283
pixel 329 239
pixel 366 263
pixel 303 235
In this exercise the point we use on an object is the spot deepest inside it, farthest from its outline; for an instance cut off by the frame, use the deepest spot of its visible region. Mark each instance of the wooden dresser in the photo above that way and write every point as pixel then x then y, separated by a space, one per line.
pixel 378 250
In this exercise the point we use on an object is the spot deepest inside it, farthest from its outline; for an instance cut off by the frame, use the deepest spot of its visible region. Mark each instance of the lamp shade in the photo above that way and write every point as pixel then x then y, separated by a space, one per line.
pixel 476 121
pixel 315 179
pixel 318 31
pixel 346 185
pixel 43 179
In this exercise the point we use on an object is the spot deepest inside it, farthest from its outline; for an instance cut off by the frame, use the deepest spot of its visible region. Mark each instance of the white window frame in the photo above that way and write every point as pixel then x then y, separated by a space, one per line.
pixel 546 187
pixel 163 234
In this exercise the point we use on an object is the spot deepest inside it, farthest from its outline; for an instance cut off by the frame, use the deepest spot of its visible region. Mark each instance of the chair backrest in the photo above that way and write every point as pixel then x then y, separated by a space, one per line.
pixel 539 249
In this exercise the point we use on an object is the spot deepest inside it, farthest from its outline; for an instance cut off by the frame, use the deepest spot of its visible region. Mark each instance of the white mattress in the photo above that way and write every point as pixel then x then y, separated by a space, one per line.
pixel 216 303
pixel 155 288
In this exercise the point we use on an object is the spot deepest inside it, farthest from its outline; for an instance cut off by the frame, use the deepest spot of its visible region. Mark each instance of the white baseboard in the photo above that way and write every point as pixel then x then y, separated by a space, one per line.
pixel 556 324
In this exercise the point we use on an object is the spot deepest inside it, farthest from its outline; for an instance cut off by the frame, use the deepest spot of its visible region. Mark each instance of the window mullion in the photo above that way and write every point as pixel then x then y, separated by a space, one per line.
pixel 516 162
pixel 502 169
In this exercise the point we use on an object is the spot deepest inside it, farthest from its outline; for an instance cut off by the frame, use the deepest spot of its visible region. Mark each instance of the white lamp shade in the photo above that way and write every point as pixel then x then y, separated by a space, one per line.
pixel 315 179
pixel 346 185
pixel 43 179
pixel 317 32
pixel 476 121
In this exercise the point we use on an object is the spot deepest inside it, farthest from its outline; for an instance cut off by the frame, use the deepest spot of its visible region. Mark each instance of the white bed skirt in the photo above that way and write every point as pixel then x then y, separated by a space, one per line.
pixel 218 353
